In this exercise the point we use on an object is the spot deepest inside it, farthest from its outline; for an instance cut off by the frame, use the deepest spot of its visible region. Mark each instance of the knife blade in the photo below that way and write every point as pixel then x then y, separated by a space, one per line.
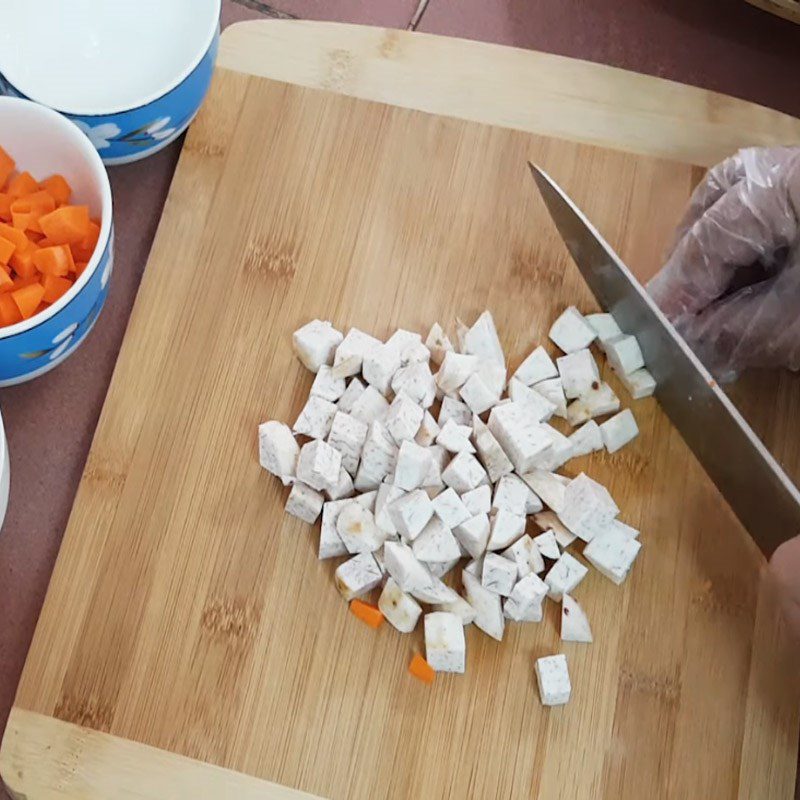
pixel 758 491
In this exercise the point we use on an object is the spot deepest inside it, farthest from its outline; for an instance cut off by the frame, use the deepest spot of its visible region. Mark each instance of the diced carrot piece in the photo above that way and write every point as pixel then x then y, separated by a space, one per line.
pixel 25 221
pixel 5 207
pixel 22 263
pixel 90 240
pixel 6 250
pixel 66 225
pixel 58 187
pixel 7 166
pixel 28 298
pixel 25 211
pixel 21 283
pixel 80 266
pixel 421 669
pixel 15 236
pixel 366 612
pixel 6 282
pixel 54 287
pixel 22 184
pixel 56 260
pixel 9 313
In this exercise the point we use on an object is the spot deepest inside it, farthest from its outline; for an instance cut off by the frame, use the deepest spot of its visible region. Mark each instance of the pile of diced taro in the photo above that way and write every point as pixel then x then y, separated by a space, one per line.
pixel 406 493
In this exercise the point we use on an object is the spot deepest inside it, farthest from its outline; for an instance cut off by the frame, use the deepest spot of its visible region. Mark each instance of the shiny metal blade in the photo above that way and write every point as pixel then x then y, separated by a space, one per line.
pixel 753 483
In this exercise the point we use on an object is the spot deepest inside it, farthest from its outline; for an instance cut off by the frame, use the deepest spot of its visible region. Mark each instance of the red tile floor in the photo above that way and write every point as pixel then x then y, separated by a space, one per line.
pixel 729 47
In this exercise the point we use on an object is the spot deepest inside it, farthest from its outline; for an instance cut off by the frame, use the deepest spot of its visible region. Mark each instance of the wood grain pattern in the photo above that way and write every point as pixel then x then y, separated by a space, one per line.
pixel 189 614
pixel 522 89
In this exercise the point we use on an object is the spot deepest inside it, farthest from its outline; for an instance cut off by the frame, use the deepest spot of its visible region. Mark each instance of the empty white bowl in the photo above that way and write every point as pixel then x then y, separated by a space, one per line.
pixel 132 76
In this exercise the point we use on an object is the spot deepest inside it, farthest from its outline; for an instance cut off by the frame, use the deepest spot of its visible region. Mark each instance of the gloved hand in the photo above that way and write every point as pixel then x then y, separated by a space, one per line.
pixel 785 571
pixel 731 284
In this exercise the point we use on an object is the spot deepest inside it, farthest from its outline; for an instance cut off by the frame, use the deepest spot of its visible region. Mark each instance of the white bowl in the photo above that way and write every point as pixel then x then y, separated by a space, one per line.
pixel 131 75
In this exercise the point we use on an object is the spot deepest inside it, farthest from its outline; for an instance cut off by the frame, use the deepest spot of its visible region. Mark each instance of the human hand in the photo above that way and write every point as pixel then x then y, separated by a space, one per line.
pixel 731 284
pixel 785 571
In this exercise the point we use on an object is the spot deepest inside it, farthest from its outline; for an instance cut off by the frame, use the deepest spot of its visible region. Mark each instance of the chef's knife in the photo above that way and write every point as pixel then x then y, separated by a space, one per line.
pixel 755 486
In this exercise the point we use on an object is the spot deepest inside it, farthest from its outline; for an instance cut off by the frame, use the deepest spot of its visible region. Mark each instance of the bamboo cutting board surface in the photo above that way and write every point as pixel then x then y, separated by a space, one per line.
pixel 191 634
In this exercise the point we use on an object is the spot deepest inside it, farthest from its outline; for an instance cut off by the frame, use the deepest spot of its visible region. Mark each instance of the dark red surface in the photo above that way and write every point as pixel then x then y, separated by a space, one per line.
pixel 727 46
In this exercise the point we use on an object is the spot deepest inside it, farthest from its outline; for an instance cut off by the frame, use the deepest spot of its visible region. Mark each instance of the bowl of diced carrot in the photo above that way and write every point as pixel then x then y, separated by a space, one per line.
pixel 56 239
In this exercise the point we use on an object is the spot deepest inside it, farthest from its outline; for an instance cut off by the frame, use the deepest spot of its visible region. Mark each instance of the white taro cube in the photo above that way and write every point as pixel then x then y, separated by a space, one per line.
pixel 639 384
pixel 278 450
pixel 347 435
pixel 379 454
pixel 613 553
pixel 315 343
pixel 411 513
pixel 400 609
pixel 493 374
pixel 356 577
pixel 413 576
pixel 408 345
pixel 477 395
pixel 441 568
pixel 552 675
pixel 487 605
pixel 427 431
pixel 619 430
pixel 455 437
pixel 553 390
pixel 605 327
pixel 587 439
pixel 549 486
pixel 463 473
pixel 304 503
pixel 456 410
pixel 438 343
pixel 352 349
pixel 473 534
pixel 506 528
pixel 559 453
pixel 491 453
pixel 330 544
pixel 460 607
pixel 549 521
pixel 387 494
pixel 525 555
pixel 436 543
pixel 499 574
pixel 357 529
pixel 482 339
pixel 371 406
pixel 445 646
pixel 519 434
pixel 588 507
pixel 413 465
pixel 318 465
pixel 571 332
pixel 511 494
pixel 624 354
pixel 316 418
pixel 379 366
pixel 450 509
pixel 537 367
pixel 353 391
pixel 597 401
pixel 524 604
pixel 403 418
pixel 478 501
pixel 574 622
pixel 417 381
pixel 579 373
pixel 538 405
pixel 564 576
pixel 547 545
pixel 454 371
pixel 344 487
pixel 327 386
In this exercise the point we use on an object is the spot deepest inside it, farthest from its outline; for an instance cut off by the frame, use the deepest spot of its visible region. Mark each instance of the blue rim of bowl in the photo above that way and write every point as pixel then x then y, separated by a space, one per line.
pixel 209 40
pixel 106 225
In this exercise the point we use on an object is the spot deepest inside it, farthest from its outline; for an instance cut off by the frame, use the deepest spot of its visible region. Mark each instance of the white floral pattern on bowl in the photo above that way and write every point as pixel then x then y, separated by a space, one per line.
pixel 101 135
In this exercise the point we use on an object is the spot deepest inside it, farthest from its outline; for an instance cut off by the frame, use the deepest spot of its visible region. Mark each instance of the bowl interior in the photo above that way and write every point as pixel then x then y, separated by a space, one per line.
pixel 43 142
pixel 102 58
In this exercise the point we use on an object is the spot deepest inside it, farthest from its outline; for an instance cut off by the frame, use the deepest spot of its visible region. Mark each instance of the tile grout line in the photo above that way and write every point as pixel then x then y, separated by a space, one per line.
pixel 418 14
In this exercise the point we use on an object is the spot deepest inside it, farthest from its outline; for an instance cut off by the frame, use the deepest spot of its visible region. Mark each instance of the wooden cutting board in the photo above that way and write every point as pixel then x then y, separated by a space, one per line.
pixel 192 644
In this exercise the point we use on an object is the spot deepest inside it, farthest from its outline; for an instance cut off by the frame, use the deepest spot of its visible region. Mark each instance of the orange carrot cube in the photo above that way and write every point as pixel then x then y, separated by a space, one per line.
pixel 58 188
pixel 421 669
pixel 54 287
pixel 28 298
pixel 7 166
pixel 9 312
pixel 66 225
pixel 56 260
pixel 22 184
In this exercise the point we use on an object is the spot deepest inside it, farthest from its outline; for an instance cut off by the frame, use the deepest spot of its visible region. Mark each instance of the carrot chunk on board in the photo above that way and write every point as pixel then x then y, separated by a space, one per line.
pixel 421 669
pixel 367 613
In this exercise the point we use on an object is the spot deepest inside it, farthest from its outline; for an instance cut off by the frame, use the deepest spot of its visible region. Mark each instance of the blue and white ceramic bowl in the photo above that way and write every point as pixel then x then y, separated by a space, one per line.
pixel 43 142
pixel 131 76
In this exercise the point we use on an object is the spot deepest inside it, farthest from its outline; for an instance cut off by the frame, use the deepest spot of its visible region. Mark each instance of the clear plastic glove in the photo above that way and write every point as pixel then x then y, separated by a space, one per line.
pixel 731 284
pixel 785 571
